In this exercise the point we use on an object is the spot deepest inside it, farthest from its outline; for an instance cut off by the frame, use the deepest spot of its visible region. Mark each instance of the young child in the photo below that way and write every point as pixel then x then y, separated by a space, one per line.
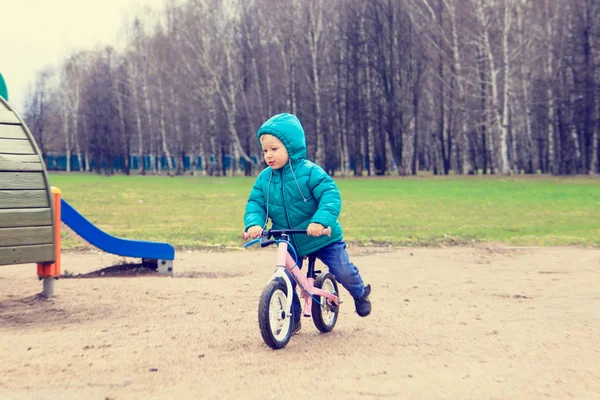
pixel 298 194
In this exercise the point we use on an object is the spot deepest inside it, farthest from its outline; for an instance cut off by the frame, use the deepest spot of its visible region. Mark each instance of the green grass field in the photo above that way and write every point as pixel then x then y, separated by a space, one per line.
pixel 206 212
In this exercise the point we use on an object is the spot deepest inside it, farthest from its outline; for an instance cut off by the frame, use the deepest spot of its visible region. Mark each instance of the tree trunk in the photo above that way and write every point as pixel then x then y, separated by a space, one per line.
pixel 589 43
pixel 462 152
pixel 293 83
pixel 231 110
pixel 179 146
pixel 148 107
pixel 313 36
pixel 415 157
pixel 215 169
pixel 76 139
pixel 66 116
pixel 368 99
pixel 259 96
pixel 499 122
pixel 505 167
pixel 163 127
pixel 342 112
pixel 442 116
pixel 486 142
pixel 525 78
pixel 124 135
pixel 138 127
pixel 551 167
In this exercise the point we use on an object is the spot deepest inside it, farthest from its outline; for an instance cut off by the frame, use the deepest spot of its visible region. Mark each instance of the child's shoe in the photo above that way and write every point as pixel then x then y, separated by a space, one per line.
pixel 296 326
pixel 363 304
pixel 297 321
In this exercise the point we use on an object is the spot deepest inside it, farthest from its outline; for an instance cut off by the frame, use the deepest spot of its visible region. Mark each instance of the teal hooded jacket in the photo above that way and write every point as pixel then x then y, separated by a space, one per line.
pixel 296 195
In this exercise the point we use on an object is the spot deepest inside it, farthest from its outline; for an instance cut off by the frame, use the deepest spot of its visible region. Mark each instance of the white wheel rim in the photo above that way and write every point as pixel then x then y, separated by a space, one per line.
pixel 326 313
pixel 277 322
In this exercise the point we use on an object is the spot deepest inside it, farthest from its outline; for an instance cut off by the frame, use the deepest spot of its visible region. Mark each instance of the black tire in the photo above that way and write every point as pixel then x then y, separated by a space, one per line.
pixel 275 326
pixel 325 317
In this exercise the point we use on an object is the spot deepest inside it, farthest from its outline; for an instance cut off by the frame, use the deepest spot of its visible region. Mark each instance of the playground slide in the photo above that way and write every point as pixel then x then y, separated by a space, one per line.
pixel 111 244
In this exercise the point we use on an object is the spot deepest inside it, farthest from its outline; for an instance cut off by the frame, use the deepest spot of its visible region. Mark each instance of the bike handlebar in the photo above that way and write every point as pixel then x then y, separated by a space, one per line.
pixel 269 233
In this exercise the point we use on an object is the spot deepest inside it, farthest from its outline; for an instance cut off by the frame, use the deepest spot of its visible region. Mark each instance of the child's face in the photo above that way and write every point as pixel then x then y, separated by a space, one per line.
pixel 274 152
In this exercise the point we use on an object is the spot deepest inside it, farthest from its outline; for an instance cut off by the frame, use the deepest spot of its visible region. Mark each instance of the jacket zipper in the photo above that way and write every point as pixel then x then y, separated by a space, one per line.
pixel 285 211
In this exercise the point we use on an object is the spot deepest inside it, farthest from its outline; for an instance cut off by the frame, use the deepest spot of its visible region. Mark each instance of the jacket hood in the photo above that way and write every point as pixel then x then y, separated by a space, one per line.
pixel 287 128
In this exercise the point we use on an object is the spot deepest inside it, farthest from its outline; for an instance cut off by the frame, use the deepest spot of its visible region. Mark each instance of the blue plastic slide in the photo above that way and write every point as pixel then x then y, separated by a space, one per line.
pixel 111 244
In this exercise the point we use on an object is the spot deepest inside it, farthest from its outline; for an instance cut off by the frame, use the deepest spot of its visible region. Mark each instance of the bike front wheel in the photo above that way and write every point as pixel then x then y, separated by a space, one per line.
pixel 275 326
pixel 326 316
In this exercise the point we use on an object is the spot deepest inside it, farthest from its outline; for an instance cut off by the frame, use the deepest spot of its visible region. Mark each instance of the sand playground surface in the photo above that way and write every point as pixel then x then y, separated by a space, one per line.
pixel 480 322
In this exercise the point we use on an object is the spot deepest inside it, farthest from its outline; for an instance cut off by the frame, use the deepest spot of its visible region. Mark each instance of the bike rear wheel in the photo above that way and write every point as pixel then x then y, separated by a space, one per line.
pixel 275 326
pixel 325 317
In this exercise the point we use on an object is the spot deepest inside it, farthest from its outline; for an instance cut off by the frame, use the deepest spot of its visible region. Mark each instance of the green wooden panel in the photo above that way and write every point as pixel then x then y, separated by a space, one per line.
pixel 22 180
pixel 11 146
pixel 23 199
pixel 25 217
pixel 8 117
pixel 18 162
pixel 12 132
pixel 27 254
pixel 26 236
pixel 3 88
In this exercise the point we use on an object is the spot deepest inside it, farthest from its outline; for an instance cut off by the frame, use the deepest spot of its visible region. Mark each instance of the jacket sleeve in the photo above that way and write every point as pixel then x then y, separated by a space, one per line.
pixel 255 207
pixel 326 192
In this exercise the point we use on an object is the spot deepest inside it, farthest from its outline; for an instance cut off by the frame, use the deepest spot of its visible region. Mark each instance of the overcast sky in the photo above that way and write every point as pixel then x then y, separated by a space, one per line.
pixel 40 33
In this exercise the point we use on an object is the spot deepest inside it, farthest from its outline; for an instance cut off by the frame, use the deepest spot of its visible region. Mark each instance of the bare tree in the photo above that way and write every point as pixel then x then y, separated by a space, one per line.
pixel 525 73
pixel 549 67
pixel 499 105
pixel 71 81
pixel 386 85
pixel 36 109
pixel 211 41
pixel 314 16
pixel 368 97
pixel 137 82
pixel 341 79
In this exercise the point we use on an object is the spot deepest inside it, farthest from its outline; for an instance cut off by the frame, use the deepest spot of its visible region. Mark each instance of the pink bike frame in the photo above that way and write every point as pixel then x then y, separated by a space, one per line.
pixel 286 262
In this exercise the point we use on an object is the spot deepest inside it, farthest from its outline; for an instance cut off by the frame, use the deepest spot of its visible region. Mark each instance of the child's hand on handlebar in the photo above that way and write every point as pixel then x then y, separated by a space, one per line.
pixel 315 229
pixel 253 232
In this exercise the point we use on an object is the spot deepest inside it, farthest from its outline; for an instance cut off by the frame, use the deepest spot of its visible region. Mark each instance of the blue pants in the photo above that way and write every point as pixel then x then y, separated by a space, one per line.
pixel 338 262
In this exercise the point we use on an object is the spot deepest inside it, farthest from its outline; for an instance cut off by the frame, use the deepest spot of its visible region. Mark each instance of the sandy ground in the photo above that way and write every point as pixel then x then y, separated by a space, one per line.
pixel 483 322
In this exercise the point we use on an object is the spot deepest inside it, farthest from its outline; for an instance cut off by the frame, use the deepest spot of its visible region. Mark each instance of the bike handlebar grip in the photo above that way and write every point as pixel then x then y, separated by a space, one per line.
pixel 327 231
pixel 250 243
pixel 266 243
